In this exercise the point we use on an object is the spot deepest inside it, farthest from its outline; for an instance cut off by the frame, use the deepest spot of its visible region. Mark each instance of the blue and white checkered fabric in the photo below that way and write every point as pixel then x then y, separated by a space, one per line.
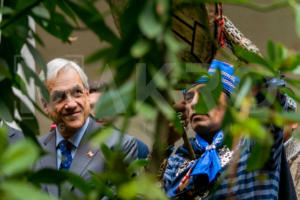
pixel 242 184
pixel 229 81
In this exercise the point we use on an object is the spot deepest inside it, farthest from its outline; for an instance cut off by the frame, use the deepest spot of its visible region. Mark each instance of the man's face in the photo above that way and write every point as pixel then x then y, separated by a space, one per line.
pixel 205 125
pixel 69 104
pixel 94 97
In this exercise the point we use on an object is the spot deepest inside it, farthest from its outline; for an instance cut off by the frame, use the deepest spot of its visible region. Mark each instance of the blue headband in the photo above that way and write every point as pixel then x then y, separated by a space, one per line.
pixel 229 81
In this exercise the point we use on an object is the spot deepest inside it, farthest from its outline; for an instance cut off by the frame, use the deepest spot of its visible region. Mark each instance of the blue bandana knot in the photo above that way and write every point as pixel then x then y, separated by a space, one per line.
pixel 209 164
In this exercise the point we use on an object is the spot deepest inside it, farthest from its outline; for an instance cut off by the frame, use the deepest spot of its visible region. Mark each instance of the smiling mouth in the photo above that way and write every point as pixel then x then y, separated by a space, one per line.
pixel 73 114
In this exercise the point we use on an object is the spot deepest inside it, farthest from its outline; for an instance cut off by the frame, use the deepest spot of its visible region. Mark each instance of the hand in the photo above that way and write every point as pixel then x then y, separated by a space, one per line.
pixel 180 108
pixel 173 134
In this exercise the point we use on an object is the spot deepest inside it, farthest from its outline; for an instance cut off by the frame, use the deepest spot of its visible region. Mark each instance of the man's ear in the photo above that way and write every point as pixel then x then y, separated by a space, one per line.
pixel 45 106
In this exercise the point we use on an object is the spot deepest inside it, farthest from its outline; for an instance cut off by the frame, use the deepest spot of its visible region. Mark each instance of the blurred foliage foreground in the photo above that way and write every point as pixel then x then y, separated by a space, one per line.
pixel 148 51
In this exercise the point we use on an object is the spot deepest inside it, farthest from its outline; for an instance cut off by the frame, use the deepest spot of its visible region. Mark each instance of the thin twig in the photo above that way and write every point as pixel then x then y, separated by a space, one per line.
pixel 189 146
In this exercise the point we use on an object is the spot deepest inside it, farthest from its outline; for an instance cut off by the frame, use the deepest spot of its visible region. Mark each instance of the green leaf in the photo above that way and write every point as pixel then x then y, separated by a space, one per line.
pixel 20 85
pixel 148 21
pixel 29 73
pixel 159 78
pixel 16 190
pixel 37 57
pixel 142 186
pixel 19 157
pixel 5 112
pixel 177 124
pixel 282 52
pixel 140 48
pixel 290 116
pixel 291 63
pixel 164 107
pixel 145 110
pixel 251 57
pixel 297 70
pixel 7 101
pixel 66 10
pixel 6 10
pixel 78 182
pixel 205 102
pixel 191 73
pixel 172 43
pixel 209 94
pixel 115 102
pixel 107 152
pixel 3 139
pixel 242 93
pixel 297 18
pixel 57 26
pixel 101 136
pixel 41 12
pixel 28 122
pixel 271 50
pixel 293 82
pixel 263 149
pixel 52 176
pixel 48 176
pixel 94 20
pixel 215 85
pixel 100 54
pixel 262 114
pixel 137 165
pixel 4 73
pixel 255 129
pixel 290 93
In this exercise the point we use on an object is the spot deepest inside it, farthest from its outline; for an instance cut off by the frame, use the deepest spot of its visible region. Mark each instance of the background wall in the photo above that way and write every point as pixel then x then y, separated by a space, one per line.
pixel 277 25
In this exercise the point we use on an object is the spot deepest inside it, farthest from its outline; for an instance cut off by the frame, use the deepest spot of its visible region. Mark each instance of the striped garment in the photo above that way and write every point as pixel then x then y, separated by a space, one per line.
pixel 238 184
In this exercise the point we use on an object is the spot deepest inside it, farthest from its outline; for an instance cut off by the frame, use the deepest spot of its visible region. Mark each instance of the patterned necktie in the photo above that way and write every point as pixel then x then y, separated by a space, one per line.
pixel 66 158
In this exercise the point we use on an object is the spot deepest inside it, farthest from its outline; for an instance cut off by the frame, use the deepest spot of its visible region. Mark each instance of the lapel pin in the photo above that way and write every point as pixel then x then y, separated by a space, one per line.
pixel 90 154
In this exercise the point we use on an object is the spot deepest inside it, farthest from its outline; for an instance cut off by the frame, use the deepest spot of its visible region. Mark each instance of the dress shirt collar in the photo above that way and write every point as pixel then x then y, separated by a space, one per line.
pixel 76 138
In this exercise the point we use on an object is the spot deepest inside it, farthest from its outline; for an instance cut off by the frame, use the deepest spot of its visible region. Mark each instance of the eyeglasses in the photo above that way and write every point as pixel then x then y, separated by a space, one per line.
pixel 74 93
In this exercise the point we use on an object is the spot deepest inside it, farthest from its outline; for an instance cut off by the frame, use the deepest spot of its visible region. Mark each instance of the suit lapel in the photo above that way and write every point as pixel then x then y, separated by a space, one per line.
pixel 50 160
pixel 85 154
pixel 49 145
pixel 82 158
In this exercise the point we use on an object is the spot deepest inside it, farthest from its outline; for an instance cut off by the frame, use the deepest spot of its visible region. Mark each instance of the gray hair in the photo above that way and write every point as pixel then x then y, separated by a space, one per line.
pixel 55 65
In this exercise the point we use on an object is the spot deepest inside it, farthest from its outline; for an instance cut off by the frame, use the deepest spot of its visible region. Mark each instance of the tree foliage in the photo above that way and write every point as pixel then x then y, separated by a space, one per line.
pixel 146 57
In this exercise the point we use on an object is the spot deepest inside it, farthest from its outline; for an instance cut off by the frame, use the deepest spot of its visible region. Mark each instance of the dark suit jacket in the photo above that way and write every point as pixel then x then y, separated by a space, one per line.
pixel 286 184
pixel 82 163
pixel 13 134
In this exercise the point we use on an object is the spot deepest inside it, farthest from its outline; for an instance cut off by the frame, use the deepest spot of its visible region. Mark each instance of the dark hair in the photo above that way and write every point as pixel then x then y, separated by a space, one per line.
pixel 97 86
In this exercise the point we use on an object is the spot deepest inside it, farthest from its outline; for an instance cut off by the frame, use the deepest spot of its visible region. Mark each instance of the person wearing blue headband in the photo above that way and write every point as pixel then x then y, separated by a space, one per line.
pixel 206 176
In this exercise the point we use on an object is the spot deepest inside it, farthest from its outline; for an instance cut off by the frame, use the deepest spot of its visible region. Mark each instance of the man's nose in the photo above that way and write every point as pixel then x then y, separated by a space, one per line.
pixel 70 102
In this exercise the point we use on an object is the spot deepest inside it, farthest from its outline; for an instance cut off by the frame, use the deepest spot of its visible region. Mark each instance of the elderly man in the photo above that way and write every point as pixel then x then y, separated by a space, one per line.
pixel 69 108
pixel 206 176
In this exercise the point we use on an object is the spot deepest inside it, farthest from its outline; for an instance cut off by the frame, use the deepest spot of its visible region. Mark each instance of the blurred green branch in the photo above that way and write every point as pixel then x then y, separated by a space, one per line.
pixel 20 14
